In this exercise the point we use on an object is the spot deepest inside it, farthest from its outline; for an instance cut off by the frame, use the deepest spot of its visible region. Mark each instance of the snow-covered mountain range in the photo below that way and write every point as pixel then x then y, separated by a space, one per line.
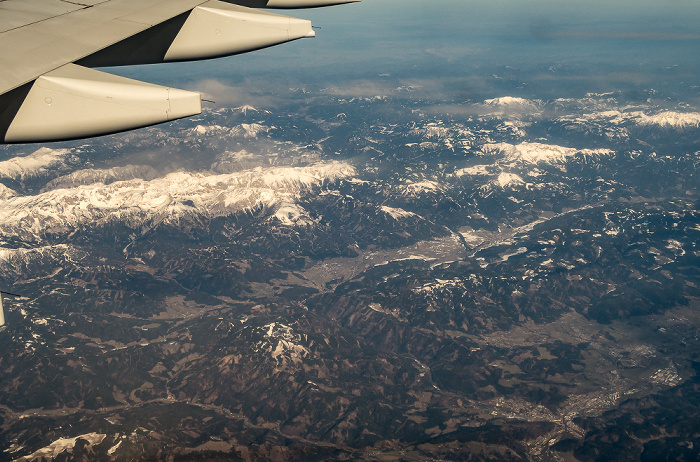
pixel 369 273
pixel 169 199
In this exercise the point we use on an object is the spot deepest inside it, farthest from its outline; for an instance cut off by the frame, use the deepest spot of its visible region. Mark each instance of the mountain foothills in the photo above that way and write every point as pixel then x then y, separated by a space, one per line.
pixel 359 278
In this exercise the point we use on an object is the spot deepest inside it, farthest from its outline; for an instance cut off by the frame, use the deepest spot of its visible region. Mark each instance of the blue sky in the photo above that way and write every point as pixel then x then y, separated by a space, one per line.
pixel 593 46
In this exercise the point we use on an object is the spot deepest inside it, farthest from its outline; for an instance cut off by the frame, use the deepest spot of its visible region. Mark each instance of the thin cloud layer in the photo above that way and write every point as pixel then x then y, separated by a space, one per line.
pixel 226 95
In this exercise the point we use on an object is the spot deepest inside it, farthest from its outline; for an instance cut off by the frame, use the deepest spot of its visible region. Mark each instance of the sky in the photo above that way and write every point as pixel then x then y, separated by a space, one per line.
pixel 467 48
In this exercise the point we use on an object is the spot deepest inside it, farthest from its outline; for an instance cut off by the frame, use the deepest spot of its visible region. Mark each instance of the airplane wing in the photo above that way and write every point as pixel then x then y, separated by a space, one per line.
pixel 49 90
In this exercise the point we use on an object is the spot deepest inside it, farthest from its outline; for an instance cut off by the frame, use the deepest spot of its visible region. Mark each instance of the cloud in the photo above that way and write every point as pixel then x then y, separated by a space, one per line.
pixel 228 95
pixel 361 89
pixel 543 31
pixel 387 85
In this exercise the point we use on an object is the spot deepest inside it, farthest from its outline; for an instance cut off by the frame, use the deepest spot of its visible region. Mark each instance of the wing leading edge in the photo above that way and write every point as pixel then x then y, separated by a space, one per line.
pixel 49 91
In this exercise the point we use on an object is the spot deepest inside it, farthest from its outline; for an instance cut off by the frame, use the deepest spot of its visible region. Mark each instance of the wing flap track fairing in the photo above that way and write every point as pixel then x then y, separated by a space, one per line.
pixel 77 102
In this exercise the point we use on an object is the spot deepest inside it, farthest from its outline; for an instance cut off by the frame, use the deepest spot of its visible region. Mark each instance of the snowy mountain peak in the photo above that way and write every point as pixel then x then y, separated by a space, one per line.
pixel 253 130
pixel 246 108
pixel 508 101
pixel 396 213
pixel 534 153
pixel 510 104
pixel 671 119
pixel 33 165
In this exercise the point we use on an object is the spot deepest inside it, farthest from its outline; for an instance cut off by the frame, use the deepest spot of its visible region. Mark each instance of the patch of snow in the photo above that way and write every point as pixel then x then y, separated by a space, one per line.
pixel 509 179
pixel 114 448
pixel 413 257
pixel 286 347
pixel 396 213
pixel 438 285
pixel 64 444
pixel 675 246
pixel 520 251
pixel 290 214
pixel 278 330
pixel 425 186
pixel 472 171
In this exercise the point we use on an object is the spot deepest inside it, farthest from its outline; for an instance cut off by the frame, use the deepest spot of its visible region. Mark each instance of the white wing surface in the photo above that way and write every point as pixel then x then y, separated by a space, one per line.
pixel 49 91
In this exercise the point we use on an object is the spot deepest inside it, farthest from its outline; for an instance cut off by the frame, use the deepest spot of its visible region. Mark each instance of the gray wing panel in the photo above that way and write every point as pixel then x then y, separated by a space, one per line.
pixel 19 13
pixel 44 44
